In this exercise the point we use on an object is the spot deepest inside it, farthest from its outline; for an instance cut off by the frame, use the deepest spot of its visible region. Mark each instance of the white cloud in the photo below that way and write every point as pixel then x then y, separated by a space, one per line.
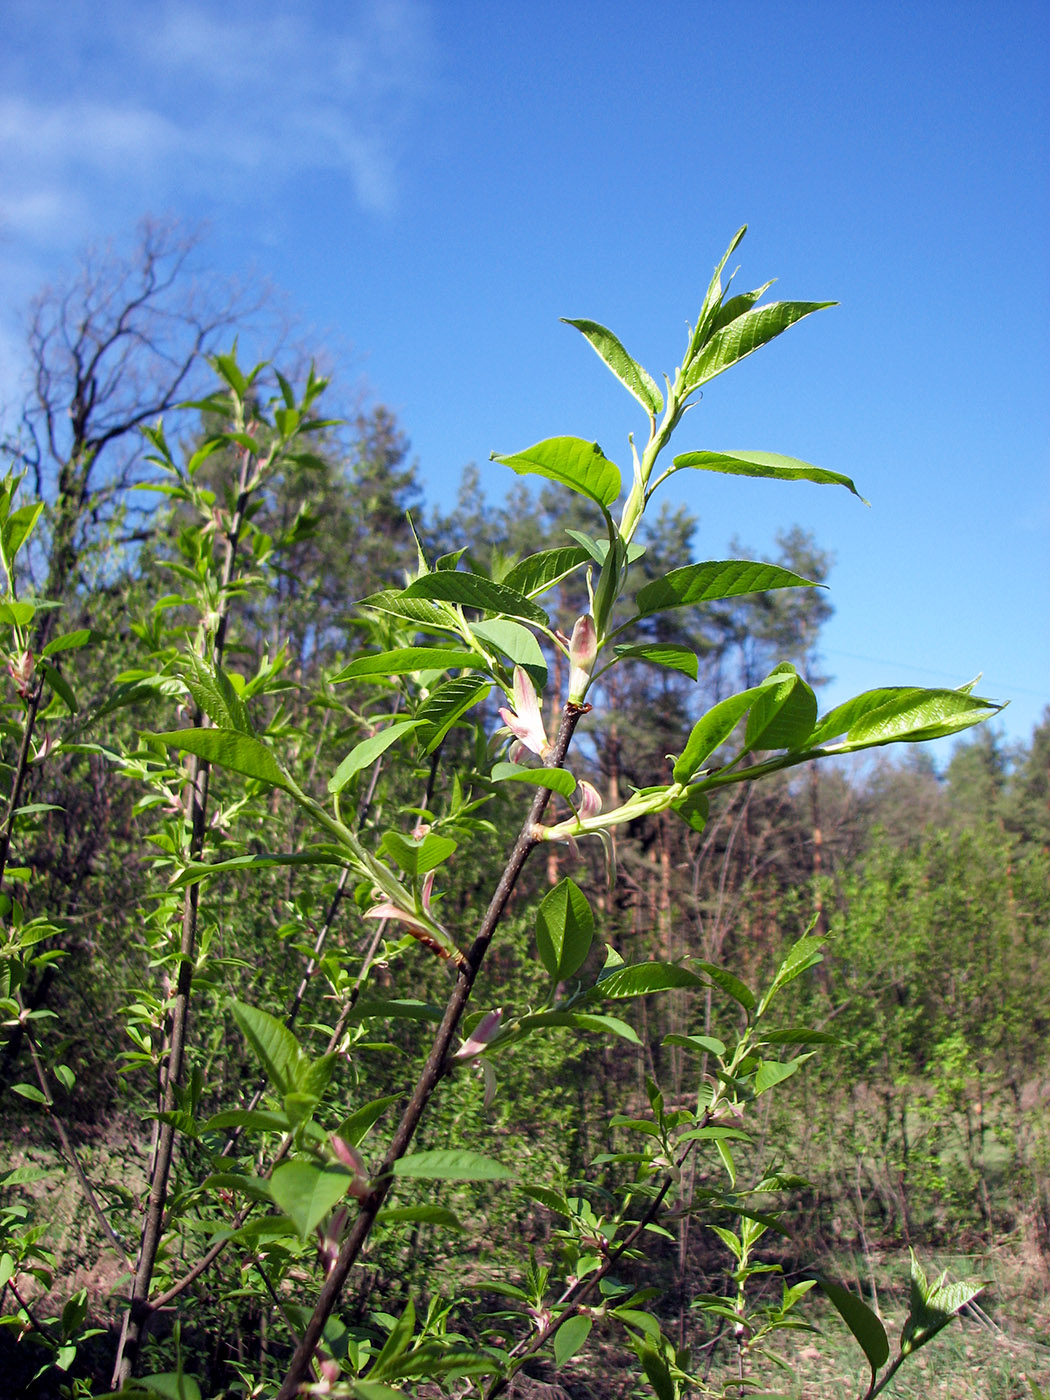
pixel 109 111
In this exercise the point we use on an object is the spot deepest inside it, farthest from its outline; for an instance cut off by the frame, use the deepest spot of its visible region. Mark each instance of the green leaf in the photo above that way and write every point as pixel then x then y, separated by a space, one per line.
pixel 693 807
pixel 703 1043
pixel 213 692
pixel 417 857
pixel 356 1127
pixel 669 654
pixel 639 979
pixel 447 704
pixel 364 754
pixel 861 1321
pixel 60 686
pixel 403 661
pixel 783 715
pixel 70 641
pixel 31 1092
pixel 564 930
pixel 240 753
pixel 800 1035
pixel 475 591
pixel 393 600
pixel 375 1390
pixel 273 1044
pixel 765 464
pixel 895 713
pixel 738 990
pixel 254 1119
pixel 559 780
pixel 744 335
pixel 574 462
pixel 803 954
pixel 17 614
pixel 705 583
pixel 517 643
pixel 307 1194
pixel 628 371
pixel 570 1337
pixel 583 1021
pixel 451 1164
pixel 424 1215
pixel 714 728
pixel 173 1385
pixel 538 572
pixel 932 1307
pixel 17 528
pixel 772 1072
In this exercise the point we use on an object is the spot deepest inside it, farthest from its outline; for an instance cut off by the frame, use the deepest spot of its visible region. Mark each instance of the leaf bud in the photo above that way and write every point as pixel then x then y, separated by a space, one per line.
pixel 583 650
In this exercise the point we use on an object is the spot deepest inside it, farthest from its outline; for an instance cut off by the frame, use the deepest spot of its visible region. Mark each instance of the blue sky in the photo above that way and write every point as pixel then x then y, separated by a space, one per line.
pixel 432 185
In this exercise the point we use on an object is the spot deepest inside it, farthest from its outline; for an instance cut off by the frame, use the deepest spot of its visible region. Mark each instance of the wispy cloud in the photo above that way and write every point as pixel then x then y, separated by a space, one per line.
pixel 109 110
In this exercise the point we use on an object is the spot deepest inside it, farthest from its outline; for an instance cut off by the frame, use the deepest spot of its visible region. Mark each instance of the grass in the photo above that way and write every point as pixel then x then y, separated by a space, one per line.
pixel 993 1352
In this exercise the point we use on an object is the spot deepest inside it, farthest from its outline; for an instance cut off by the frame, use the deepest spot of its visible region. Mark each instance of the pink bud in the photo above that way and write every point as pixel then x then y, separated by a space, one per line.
pixel 590 800
pixel 480 1037
pixel 351 1158
pixel 583 650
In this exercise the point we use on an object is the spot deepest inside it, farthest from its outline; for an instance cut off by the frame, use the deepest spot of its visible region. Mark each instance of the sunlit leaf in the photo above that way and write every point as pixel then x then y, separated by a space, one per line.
pixel 744 335
pixel 705 583
pixel 570 1337
pixel 364 754
pixel 474 591
pixel 628 371
pixel 559 780
pixel 574 462
pixel 564 930
pixel 404 660
pixel 669 654
pixel 764 464
pixel 227 748
pixel 307 1193
pixel 452 1164
pixel 538 572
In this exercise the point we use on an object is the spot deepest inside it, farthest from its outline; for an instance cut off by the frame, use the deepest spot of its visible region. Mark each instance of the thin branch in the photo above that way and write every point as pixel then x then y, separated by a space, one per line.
pixel 432 1073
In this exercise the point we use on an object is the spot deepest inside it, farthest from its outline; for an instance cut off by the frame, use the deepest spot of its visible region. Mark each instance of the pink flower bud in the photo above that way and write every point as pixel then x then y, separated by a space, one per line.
pixel 583 650
pixel 351 1158
pixel 590 800
pixel 480 1037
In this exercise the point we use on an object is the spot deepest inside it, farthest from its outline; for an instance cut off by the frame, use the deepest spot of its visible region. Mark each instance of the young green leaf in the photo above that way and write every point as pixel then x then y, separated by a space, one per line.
pixel 451 1164
pixel 559 780
pixel 744 335
pixel 227 748
pixel 932 1307
pixel 669 654
pixel 713 729
pixel 783 715
pixel 445 705
pixel 570 1337
pixel 705 583
pixel 580 465
pixel 515 642
pixel 628 371
pixel 307 1193
pixel 639 979
pixel 417 857
pixel 765 464
pixel 404 661
pixel 364 754
pixel 474 591
pixel 862 1322
pixel 564 930
pixel 274 1045
pixel 535 574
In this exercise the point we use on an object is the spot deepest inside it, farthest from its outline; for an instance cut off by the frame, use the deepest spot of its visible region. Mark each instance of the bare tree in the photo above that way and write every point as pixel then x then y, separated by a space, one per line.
pixel 114 348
